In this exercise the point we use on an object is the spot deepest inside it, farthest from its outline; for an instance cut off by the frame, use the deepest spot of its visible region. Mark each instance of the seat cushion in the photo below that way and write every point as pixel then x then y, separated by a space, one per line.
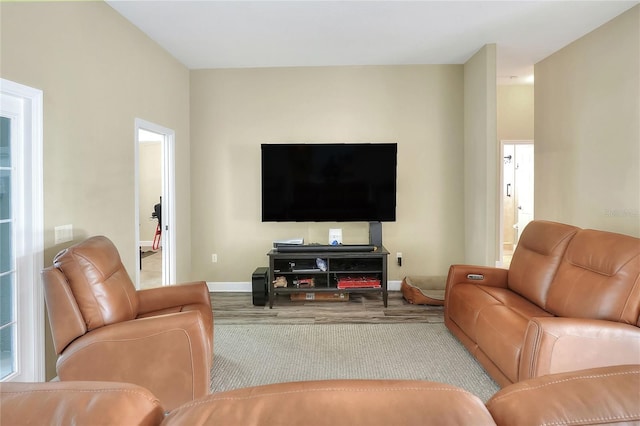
pixel 465 302
pixel 500 334
pixel 496 320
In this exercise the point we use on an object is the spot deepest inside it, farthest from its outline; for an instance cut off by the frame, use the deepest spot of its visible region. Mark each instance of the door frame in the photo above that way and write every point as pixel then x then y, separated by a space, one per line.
pixel 504 142
pixel 30 342
pixel 168 200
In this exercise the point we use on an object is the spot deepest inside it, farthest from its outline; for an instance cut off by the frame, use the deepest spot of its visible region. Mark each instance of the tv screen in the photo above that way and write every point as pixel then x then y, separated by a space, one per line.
pixel 334 182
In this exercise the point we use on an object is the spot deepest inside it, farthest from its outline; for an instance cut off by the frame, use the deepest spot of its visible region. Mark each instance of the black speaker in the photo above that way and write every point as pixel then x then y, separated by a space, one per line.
pixel 375 234
pixel 259 288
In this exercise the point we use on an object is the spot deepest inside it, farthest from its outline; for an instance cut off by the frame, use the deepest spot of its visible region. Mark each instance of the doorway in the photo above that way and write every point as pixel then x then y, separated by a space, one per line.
pixel 155 205
pixel 517 194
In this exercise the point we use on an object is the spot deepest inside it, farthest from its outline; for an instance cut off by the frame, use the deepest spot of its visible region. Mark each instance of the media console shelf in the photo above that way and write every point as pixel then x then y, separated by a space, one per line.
pixel 330 270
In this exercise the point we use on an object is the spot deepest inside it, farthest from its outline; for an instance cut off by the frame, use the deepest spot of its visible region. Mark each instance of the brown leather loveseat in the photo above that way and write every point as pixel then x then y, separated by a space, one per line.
pixel 601 396
pixel 569 301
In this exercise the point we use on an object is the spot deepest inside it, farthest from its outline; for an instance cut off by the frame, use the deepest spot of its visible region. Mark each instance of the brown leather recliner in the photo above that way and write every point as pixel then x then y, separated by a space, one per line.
pixel 105 330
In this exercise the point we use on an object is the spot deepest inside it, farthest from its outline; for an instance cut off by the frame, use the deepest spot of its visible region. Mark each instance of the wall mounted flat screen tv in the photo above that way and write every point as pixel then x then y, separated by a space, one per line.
pixel 331 182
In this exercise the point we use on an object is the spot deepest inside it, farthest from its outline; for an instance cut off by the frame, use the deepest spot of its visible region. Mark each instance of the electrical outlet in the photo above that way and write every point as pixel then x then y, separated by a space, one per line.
pixel 63 234
pixel 214 258
pixel 399 258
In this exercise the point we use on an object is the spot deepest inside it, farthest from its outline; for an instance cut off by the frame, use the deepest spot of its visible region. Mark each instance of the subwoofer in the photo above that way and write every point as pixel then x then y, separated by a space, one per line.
pixel 375 234
pixel 259 288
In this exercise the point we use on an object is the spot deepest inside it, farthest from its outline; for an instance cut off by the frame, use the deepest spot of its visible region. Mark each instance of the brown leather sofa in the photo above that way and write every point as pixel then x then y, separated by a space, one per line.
pixel 600 396
pixel 105 330
pixel 569 301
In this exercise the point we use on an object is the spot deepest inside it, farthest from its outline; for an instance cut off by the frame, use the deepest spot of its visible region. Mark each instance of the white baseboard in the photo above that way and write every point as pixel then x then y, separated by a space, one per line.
pixel 232 287
pixel 393 285
pixel 245 287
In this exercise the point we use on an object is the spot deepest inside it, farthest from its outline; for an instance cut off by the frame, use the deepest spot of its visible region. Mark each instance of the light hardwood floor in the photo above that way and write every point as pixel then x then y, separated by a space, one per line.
pixel 151 271
pixel 237 308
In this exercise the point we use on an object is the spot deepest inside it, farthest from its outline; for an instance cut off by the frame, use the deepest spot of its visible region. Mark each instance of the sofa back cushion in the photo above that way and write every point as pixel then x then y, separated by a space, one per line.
pixel 100 284
pixel 599 278
pixel 537 257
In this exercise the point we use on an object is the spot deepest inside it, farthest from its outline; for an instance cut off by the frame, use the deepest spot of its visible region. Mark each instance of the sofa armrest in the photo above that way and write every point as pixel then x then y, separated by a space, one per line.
pixel 160 298
pixel 607 395
pixel 551 345
pixel 78 403
pixel 495 277
pixel 459 274
pixel 151 352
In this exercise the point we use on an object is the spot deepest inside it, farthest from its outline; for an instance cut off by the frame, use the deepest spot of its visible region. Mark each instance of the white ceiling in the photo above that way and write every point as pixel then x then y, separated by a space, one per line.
pixel 240 34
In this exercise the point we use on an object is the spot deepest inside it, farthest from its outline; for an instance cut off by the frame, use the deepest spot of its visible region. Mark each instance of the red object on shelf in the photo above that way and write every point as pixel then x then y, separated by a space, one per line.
pixel 358 282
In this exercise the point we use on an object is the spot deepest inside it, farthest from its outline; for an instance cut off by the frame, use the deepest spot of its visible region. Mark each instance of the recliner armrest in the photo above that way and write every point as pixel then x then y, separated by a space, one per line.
pixel 495 277
pixel 159 298
pixel 556 345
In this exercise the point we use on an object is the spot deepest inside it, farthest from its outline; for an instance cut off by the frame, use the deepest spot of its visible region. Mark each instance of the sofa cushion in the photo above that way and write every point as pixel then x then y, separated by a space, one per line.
pixel 500 336
pixel 464 305
pixel 500 329
pixel 516 303
pixel 599 278
pixel 468 301
pixel 99 282
pixel 496 319
pixel 537 257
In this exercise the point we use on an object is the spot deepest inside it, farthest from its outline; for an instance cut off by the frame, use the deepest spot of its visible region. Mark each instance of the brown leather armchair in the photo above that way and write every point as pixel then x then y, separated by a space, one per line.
pixel 105 330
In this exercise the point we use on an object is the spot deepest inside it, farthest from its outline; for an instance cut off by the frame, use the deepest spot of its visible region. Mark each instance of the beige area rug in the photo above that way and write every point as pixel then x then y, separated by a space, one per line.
pixel 250 355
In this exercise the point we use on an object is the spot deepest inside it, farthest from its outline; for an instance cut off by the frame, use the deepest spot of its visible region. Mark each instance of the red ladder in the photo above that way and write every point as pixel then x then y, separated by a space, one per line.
pixel 156 238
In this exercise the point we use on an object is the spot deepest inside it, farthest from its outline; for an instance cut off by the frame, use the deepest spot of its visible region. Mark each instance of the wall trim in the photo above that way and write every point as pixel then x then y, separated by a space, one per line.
pixel 29 298
pixel 169 235
pixel 245 287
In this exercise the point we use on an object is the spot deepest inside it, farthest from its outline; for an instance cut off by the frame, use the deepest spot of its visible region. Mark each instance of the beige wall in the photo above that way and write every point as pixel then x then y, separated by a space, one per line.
pixel 515 112
pixel 234 111
pixel 150 187
pixel 587 112
pixel 98 73
pixel 515 123
pixel 480 158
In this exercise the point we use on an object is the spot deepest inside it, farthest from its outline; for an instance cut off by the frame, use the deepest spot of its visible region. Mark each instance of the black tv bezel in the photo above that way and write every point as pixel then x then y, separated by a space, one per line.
pixel 389 216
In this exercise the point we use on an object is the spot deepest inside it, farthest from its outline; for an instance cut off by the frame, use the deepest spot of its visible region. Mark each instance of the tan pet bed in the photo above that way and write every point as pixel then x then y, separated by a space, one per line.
pixel 423 290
